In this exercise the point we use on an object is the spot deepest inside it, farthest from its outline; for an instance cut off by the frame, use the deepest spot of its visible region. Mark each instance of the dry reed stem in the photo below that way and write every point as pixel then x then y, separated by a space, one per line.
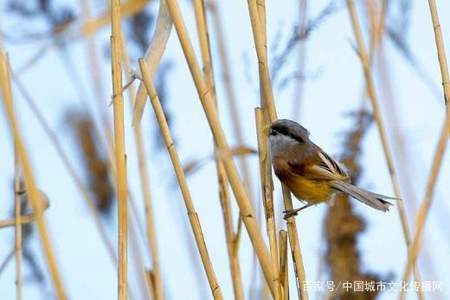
pixel 70 169
pixel 265 169
pixel 294 243
pixel 268 104
pixel 422 214
pixel 258 29
pixel 157 287
pixel 192 214
pixel 440 51
pixel 149 215
pixel 366 61
pixel 284 275
pixel 235 270
pixel 203 35
pixel 28 218
pixel 238 188
pixel 370 89
pixel 202 29
pixel 128 8
pixel 377 31
pixel 18 226
pixel 34 196
pixel 376 39
pixel 378 117
pixel 119 147
pixel 97 83
pixel 232 102
pixel 153 56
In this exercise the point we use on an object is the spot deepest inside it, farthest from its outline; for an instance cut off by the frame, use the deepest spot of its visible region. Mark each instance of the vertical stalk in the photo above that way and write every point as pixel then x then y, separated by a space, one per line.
pixel 378 117
pixel 192 214
pixel 239 190
pixel 294 243
pixel 18 226
pixel 284 275
pixel 28 177
pixel 119 147
pixel 268 103
pixel 422 214
pixel 267 188
pixel 202 29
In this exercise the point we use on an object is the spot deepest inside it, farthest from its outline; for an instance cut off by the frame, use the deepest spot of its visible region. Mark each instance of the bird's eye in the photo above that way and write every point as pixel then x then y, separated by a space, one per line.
pixel 272 132
pixel 298 139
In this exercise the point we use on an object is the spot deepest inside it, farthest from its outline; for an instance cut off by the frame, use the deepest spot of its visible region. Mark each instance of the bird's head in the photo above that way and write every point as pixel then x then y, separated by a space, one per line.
pixel 284 134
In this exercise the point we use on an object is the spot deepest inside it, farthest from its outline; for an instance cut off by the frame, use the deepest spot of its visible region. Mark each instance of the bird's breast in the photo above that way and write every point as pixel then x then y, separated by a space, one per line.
pixel 307 189
pixel 310 190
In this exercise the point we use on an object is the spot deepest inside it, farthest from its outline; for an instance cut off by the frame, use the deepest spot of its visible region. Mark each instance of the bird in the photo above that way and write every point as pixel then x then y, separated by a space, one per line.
pixel 310 173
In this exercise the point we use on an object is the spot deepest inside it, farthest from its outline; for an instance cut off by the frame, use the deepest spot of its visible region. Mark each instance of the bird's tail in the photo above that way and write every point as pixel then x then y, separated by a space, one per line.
pixel 371 199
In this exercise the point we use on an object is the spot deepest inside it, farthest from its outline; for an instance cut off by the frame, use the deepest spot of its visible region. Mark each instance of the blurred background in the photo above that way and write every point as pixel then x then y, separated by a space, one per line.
pixel 62 85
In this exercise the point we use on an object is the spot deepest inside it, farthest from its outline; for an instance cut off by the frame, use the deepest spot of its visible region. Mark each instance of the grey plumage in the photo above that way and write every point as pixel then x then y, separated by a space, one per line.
pixel 371 199
pixel 309 172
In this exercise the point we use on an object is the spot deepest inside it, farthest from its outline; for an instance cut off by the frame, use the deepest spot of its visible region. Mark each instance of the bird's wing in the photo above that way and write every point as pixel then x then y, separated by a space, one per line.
pixel 319 166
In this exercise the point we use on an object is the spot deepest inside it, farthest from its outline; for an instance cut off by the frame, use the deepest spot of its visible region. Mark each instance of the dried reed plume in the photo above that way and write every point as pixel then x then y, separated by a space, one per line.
pixel 343 226
pixel 96 166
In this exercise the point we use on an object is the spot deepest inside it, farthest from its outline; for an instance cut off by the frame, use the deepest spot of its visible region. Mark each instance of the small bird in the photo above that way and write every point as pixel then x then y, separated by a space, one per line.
pixel 310 173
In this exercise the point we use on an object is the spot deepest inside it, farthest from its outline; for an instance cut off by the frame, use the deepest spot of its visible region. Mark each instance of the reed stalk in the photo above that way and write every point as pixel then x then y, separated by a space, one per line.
pixel 365 62
pixel 69 167
pixel 24 219
pixel 119 148
pixel 378 117
pixel 423 211
pixel 230 95
pixel 258 28
pixel 97 83
pixel 265 169
pixel 157 284
pixel 18 226
pixel 192 214
pixel 294 243
pixel 284 274
pixel 232 250
pixel 257 18
pixel 235 269
pixel 29 178
pixel 153 56
pixel 238 188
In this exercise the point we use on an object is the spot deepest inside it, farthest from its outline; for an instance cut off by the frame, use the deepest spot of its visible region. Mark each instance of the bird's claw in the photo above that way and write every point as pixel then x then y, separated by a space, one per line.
pixel 290 213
